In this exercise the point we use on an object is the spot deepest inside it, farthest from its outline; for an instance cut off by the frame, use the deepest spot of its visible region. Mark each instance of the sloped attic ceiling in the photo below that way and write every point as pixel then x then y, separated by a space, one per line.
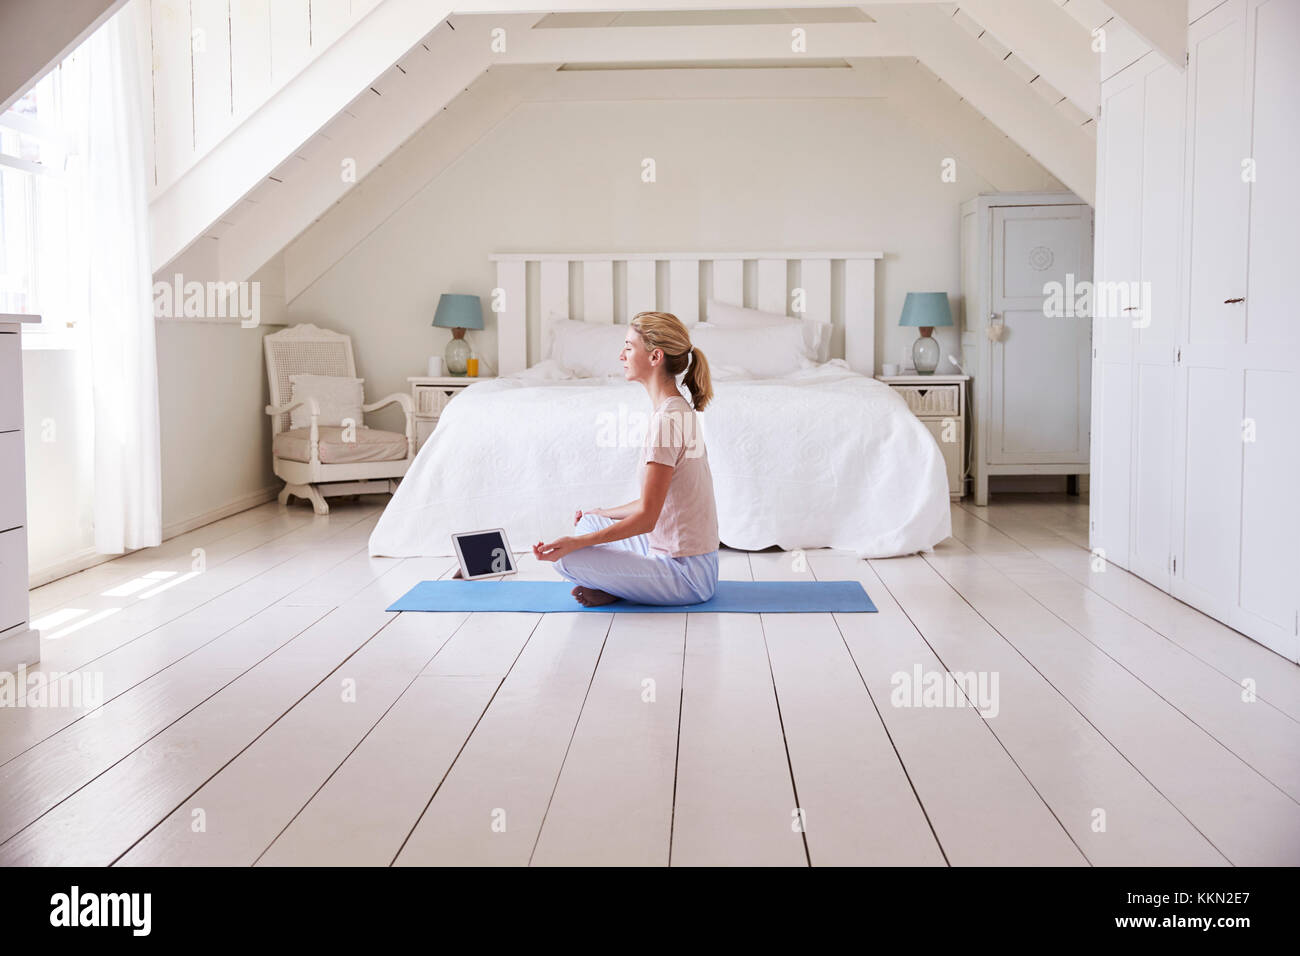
pixel 916 96
pixel 833 54
pixel 37 34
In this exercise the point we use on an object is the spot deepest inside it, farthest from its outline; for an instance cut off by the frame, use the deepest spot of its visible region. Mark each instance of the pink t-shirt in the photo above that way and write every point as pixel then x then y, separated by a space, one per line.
pixel 688 523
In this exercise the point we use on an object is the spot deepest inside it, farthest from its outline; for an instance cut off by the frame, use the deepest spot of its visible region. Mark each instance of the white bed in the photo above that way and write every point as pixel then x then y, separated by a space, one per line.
pixel 821 457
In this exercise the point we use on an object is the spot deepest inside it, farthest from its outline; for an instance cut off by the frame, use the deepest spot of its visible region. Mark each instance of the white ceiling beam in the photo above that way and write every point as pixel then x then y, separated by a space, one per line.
pixel 1048 39
pixel 1089 13
pixel 236 165
pixel 1009 103
pixel 36 35
pixel 1161 23
pixel 768 41
pixel 382 124
pixel 921 99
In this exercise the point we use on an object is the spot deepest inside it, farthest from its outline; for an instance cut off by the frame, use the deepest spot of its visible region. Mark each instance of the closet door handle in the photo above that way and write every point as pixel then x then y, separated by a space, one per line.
pixel 1233 301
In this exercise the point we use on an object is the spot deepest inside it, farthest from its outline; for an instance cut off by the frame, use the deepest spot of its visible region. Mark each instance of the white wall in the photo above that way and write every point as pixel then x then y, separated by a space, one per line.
pixel 736 175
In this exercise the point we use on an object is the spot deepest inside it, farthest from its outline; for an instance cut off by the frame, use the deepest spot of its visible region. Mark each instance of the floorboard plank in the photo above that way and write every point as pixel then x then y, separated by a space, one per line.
pixel 1110 756
pixel 308 552
pixel 858 806
pixel 104 818
pixel 1276 680
pixel 220 541
pixel 489 809
pixel 52 769
pixel 735 804
pixel 613 803
pixel 980 805
pixel 1265 738
pixel 364 812
pixel 128 664
pixel 257 794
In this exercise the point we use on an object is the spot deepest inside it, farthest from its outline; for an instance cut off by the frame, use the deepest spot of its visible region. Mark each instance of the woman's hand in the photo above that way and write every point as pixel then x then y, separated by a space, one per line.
pixel 577 516
pixel 555 549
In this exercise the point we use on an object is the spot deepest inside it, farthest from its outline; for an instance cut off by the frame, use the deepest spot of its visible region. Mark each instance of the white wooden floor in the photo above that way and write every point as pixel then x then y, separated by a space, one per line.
pixel 266 710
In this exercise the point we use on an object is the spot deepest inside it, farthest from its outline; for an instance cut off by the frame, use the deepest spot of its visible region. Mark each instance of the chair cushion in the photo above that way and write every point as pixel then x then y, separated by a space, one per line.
pixel 339 398
pixel 370 445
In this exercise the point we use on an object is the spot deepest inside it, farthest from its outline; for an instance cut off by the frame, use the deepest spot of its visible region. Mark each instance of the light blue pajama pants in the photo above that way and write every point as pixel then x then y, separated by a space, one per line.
pixel 628 569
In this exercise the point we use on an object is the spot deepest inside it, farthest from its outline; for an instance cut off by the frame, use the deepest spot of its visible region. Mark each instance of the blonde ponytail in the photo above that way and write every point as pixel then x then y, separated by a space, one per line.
pixel 698 380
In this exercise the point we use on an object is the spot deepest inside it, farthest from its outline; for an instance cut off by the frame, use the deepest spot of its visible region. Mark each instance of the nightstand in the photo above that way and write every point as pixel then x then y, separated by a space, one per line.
pixel 430 396
pixel 939 401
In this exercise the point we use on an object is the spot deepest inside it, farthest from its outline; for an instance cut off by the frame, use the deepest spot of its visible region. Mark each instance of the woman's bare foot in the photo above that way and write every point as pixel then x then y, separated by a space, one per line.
pixel 592 597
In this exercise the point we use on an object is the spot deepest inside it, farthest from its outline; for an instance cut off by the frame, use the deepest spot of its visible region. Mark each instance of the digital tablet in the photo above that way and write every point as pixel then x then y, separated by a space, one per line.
pixel 483 554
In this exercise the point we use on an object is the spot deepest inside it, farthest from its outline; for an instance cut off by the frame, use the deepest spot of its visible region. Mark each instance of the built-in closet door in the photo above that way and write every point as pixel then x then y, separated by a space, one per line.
pixel 1140 177
pixel 1236 434
pixel 1269 597
pixel 1118 259
pixel 1209 365
pixel 1159 324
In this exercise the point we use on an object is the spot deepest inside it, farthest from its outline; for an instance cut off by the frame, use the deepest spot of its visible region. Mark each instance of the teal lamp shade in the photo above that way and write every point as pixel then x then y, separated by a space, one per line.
pixel 458 313
pixel 926 311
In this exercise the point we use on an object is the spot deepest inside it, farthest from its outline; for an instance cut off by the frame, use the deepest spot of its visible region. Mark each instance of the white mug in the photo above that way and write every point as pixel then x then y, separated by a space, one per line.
pixel 435 366
pixel 888 368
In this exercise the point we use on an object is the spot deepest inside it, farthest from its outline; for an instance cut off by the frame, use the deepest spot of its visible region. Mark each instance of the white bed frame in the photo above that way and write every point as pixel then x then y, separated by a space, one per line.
pixel 837 287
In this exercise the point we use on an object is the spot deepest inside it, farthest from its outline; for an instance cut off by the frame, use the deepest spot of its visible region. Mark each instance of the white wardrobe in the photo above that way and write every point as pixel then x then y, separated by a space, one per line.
pixel 1196 390
pixel 1031 386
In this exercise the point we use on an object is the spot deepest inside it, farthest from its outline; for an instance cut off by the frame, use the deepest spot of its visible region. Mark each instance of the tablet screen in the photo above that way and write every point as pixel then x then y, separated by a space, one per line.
pixel 485 552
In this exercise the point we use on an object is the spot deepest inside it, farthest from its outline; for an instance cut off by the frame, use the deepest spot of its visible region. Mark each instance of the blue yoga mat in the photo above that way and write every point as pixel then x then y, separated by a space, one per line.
pixel 732 597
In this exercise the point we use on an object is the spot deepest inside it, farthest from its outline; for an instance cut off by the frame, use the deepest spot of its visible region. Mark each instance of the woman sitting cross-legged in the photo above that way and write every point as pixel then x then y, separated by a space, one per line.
pixel 663 547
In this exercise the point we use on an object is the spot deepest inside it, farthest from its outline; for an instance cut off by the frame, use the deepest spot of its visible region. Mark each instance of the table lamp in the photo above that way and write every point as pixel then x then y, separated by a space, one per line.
pixel 926 311
pixel 458 313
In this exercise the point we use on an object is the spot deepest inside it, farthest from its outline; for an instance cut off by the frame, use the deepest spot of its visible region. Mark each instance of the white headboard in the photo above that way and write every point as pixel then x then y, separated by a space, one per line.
pixel 840 285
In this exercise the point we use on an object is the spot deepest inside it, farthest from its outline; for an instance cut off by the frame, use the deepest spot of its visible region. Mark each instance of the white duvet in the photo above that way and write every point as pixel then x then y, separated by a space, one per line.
pixel 821 458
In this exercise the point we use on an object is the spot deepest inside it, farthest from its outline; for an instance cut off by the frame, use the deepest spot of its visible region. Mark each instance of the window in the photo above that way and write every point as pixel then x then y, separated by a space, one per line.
pixel 40 243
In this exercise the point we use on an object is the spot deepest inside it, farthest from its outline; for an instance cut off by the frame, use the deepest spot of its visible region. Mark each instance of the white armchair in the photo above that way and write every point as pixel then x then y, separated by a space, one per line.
pixel 328 460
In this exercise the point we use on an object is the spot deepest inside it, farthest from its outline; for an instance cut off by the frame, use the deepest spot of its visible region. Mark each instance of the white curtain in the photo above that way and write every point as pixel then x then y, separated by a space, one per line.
pixel 109 167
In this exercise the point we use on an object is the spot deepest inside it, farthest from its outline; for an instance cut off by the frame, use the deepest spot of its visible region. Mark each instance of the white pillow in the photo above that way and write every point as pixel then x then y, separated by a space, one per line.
pixel 588 349
pixel 339 398
pixel 765 352
pixel 547 370
pixel 817 334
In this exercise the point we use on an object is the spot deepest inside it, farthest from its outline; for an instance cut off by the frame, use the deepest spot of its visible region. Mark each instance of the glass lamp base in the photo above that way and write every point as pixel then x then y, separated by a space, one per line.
pixel 925 355
pixel 456 356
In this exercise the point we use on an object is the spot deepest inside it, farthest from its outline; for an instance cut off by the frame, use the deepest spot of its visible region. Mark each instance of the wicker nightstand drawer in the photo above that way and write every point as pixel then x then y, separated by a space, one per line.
pixel 931 400
pixel 431 399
